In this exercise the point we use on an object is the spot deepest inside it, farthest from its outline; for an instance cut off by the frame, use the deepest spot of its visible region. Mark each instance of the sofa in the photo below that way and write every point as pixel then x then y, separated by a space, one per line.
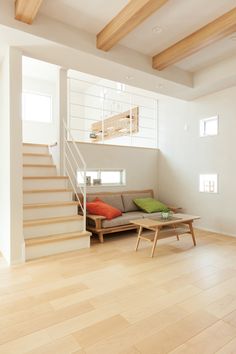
pixel 124 202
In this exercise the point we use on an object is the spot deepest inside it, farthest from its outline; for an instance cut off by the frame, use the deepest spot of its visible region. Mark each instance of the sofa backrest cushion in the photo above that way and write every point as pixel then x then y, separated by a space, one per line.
pixel 130 196
pixel 114 200
pixel 98 207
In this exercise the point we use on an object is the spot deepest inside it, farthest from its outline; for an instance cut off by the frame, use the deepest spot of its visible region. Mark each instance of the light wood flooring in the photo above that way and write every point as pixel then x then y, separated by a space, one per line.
pixel 110 300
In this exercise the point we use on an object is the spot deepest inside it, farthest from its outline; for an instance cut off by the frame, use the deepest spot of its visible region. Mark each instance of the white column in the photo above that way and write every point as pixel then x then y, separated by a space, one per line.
pixel 5 243
pixel 11 192
pixel 62 114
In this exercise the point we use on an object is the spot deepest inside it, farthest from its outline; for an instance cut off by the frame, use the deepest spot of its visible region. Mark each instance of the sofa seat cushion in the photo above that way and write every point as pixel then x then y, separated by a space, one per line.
pixel 114 200
pixel 128 198
pixel 124 219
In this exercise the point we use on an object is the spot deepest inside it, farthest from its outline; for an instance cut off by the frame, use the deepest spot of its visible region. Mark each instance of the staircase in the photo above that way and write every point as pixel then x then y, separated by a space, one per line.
pixel 51 221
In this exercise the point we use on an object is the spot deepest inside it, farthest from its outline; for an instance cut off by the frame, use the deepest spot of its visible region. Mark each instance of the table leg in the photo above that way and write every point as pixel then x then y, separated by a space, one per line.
pixel 177 236
pixel 192 232
pixel 154 242
pixel 139 234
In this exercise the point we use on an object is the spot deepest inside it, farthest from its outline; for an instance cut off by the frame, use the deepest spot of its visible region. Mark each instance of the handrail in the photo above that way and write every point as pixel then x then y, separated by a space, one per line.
pixel 53 145
pixel 77 159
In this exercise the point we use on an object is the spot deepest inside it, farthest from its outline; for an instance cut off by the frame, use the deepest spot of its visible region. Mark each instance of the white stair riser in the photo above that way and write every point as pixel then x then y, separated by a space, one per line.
pixel 50 197
pixel 29 184
pixel 37 160
pixel 34 149
pixel 52 212
pixel 39 171
pixel 53 229
pixel 48 249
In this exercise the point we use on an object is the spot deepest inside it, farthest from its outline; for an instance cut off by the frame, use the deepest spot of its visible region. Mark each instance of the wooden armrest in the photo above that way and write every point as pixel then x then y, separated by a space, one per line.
pixel 97 219
pixel 174 208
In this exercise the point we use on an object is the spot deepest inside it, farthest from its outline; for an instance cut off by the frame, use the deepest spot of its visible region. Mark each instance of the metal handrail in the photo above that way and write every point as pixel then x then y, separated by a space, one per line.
pixel 76 157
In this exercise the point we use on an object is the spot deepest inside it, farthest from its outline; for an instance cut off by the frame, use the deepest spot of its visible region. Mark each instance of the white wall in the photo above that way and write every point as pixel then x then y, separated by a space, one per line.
pixel 11 201
pixel 37 132
pixel 183 155
pixel 140 165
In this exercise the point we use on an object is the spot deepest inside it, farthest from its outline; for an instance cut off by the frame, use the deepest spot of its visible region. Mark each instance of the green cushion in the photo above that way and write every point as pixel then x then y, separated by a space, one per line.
pixel 150 205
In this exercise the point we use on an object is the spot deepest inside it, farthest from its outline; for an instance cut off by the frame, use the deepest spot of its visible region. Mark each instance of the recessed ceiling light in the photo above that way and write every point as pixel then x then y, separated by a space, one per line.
pixel 128 77
pixel 157 29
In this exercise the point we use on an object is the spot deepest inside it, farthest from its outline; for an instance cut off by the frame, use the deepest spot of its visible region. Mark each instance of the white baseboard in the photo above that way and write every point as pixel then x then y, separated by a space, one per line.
pixel 215 231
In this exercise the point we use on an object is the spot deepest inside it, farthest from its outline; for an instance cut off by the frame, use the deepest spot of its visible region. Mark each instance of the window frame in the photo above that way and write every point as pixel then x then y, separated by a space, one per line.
pixel 122 172
pixel 217 183
pixel 202 126
pixel 37 93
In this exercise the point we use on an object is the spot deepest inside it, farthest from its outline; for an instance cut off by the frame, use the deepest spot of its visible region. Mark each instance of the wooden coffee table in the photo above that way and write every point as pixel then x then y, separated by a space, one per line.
pixel 178 224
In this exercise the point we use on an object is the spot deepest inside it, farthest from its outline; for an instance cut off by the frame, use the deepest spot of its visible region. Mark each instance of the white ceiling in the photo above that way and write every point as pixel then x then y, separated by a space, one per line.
pixel 177 19
pixel 89 15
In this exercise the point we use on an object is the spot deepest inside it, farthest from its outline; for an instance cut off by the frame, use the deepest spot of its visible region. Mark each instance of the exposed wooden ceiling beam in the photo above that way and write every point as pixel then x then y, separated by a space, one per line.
pixel 214 31
pixel 135 12
pixel 26 10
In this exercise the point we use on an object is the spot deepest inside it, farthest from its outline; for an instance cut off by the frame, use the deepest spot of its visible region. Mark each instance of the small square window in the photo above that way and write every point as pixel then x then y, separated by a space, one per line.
pixel 105 177
pixel 209 126
pixel 208 183
pixel 36 107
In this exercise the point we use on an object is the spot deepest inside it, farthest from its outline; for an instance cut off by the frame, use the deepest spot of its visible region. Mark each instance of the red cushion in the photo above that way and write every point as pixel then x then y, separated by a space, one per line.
pixel 98 207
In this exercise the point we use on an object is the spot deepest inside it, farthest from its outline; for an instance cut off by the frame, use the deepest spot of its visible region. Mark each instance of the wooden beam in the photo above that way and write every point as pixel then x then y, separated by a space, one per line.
pixel 26 10
pixel 135 12
pixel 221 27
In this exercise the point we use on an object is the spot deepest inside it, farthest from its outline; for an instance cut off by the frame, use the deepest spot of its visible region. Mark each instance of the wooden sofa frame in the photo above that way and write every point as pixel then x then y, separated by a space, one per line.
pixel 97 219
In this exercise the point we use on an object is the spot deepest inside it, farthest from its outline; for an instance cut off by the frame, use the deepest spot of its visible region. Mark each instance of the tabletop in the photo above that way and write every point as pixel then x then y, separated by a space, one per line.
pixel 157 222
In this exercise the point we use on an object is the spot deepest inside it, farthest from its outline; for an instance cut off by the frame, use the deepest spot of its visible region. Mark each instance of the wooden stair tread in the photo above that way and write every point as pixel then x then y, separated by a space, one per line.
pixel 55 238
pixel 32 144
pixel 45 177
pixel 35 154
pixel 47 191
pixel 37 222
pixel 39 165
pixel 50 205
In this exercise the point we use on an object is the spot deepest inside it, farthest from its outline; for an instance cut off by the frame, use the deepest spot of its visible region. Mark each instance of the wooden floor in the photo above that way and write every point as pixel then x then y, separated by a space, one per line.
pixel 111 300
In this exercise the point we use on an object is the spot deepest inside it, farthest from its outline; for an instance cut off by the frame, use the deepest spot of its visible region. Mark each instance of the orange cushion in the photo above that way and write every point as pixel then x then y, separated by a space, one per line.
pixel 98 207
